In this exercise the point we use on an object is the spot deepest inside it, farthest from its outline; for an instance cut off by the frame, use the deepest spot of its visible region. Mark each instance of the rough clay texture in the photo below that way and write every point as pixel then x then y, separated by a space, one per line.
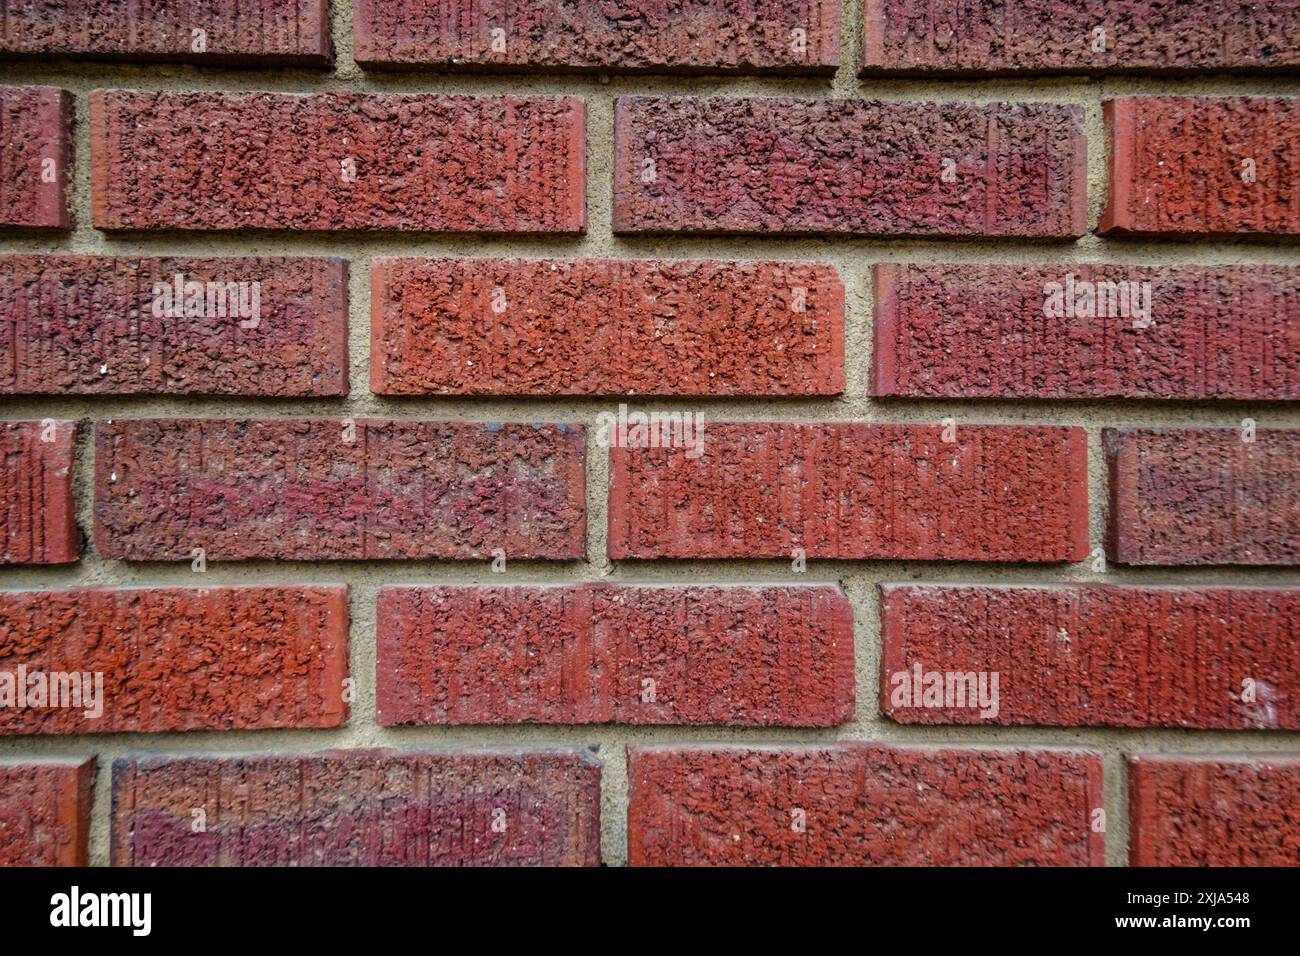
pixel 1090 655
pixel 1214 810
pixel 837 490
pixel 830 167
pixel 337 161
pixel 35 157
pixel 174 659
pixel 862 804
pixel 45 813
pixel 38 517
pixel 1203 496
pixel 1203 166
pixel 605 326
pixel 294 32
pixel 594 653
pixel 117 325
pixel 983 331
pixel 689 36
pixel 995 37
pixel 359 808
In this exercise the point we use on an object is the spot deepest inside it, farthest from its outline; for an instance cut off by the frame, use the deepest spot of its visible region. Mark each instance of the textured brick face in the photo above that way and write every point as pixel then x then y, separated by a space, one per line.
pixel 301 490
pixel 124 326
pixel 172 659
pixel 37 514
pixel 1180 166
pixel 35 157
pixel 761 490
pixel 359 808
pixel 829 167
pixel 714 36
pixel 749 656
pixel 1094 655
pixel 1214 811
pixel 603 326
pixel 1203 496
pixel 45 813
pixel 995 331
pixel 336 161
pixel 862 805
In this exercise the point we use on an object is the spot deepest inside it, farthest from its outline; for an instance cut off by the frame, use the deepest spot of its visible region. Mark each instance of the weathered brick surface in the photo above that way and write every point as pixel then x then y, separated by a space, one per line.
pixel 842 166
pixel 695 36
pixel 605 326
pixel 120 325
pixel 35 157
pixel 45 813
pixel 1003 331
pixel 293 32
pixel 1214 810
pixel 299 489
pixel 964 37
pixel 172 659
pixel 359 808
pixel 595 653
pixel 1089 655
pixel 1182 166
pixel 761 490
pixel 1203 496
pixel 276 161
pixel 38 522
pixel 862 804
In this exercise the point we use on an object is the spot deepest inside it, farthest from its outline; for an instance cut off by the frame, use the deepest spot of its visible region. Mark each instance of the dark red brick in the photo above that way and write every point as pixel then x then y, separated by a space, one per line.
pixel 605 326
pixel 863 804
pixel 45 813
pixel 38 518
pixel 73 325
pixel 274 161
pixel 359 808
pixel 297 489
pixel 582 654
pixel 35 157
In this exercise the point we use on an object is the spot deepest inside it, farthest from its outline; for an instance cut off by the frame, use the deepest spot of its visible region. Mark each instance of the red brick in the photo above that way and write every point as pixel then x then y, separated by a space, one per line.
pixel 37 125
pixel 581 654
pixel 863 804
pixel 79 325
pixel 297 489
pixel 274 161
pixel 1095 655
pixel 698 36
pixel 994 37
pixel 1176 166
pixel 291 32
pixel 359 808
pixel 761 490
pixel 1203 496
pixel 848 167
pixel 38 518
pixel 605 326
pixel 45 813
pixel 1214 810
pixel 174 659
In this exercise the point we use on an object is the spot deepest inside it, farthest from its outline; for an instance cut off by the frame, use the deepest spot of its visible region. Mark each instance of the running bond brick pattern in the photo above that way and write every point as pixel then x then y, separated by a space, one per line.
pixel 1171 332
pixel 322 489
pixel 337 161
pixel 1214 810
pixel 1090 655
pixel 35 157
pixel 745 656
pixel 694 36
pixel 38 521
pixel 176 658
pixel 45 813
pixel 137 326
pixel 359 808
pixel 862 804
pixel 605 327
